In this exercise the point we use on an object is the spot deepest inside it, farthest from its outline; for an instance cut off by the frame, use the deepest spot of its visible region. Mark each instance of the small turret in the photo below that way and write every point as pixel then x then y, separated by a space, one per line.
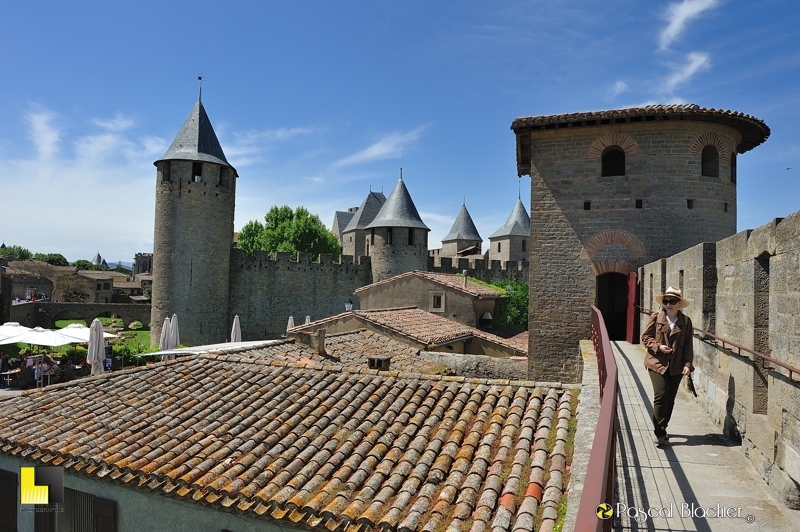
pixel 354 235
pixel 463 238
pixel 510 242
pixel 397 239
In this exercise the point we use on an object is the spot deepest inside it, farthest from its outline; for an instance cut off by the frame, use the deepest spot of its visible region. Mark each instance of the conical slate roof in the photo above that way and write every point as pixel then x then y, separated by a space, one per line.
pixel 518 223
pixel 367 212
pixel 398 211
pixel 463 228
pixel 196 141
pixel 97 260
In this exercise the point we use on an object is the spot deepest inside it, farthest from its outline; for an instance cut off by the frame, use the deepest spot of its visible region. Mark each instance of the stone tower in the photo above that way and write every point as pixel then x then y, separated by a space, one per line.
pixel 397 237
pixel 355 234
pixel 612 191
pixel 510 242
pixel 463 238
pixel 195 198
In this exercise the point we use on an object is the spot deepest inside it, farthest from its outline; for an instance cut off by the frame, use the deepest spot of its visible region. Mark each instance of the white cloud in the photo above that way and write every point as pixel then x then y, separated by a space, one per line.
pixel 618 88
pixel 678 15
pixel 249 147
pixel 390 147
pixel 92 194
pixel 695 62
pixel 118 123
pixel 43 133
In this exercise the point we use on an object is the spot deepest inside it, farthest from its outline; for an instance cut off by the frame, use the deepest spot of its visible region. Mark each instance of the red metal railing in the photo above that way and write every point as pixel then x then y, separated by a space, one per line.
pixel 601 470
pixel 704 335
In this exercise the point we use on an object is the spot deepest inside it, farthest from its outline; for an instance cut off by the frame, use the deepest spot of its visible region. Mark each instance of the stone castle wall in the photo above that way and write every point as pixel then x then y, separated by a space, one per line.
pixel 584 224
pixel 746 288
pixel 479 269
pixel 265 290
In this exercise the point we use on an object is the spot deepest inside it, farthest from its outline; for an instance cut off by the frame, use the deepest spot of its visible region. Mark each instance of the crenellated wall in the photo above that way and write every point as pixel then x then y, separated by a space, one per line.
pixel 479 269
pixel 265 289
pixel 746 288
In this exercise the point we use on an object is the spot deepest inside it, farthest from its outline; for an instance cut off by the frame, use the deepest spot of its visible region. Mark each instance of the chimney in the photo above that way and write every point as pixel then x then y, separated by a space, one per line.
pixel 321 342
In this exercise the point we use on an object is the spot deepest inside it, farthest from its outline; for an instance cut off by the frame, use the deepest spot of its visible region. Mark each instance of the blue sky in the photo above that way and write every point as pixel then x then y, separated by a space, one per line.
pixel 315 102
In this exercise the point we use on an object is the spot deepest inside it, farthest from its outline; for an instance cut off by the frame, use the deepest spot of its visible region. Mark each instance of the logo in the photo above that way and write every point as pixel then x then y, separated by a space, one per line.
pixel 604 511
pixel 41 485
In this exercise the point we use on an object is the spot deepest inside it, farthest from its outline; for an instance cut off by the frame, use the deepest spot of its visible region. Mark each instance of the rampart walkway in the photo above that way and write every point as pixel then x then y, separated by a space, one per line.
pixel 700 467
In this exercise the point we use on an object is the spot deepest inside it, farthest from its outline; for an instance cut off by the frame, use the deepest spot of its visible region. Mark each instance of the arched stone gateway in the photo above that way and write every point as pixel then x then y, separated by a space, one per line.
pixel 613 236
pixel 46 314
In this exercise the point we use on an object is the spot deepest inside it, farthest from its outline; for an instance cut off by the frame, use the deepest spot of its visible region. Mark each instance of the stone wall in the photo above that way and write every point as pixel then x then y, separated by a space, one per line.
pixel 265 290
pixel 391 253
pixel 480 366
pixel 479 269
pixel 746 289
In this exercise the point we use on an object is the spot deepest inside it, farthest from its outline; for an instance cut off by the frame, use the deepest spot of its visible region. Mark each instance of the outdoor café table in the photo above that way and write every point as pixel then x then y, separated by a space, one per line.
pixel 8 376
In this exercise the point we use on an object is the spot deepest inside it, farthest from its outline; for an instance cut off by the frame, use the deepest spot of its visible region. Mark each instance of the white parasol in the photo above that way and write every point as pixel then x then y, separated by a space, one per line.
pixel 236 330
pixel 12 328
pixel 174 335
pixel 81 333
pixel 290 323
pixel 97 353
pixel 39 336
pixel 163 340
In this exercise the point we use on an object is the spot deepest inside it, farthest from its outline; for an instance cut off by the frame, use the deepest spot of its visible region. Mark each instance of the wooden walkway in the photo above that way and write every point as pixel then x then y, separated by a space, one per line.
pixel 699 474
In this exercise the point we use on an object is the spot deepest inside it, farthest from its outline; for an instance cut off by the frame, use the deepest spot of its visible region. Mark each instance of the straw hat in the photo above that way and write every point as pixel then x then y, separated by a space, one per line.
pixel 674 293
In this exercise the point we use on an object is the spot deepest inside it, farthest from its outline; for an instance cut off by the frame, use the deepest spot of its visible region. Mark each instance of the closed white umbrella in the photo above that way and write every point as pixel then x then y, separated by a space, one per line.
pixel 290 323
pixel 174 334
pixel 236 330
pixel 38 336
pixel 97 353
pixel 308 320
pixel 12 328
pixel 163 340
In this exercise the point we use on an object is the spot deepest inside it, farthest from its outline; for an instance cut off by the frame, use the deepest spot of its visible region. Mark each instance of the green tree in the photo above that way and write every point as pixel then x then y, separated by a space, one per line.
pixel 512 310
pixel 84 264
pixel 16 251
pixel 56 259
pixel 289 231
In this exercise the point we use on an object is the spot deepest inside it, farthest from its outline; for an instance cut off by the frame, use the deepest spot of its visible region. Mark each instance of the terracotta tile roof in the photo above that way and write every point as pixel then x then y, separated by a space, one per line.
pixel 753 130
pixel 450 280
pixel 420 326
pixel 102 274
pixel 314 448
pixel 351 350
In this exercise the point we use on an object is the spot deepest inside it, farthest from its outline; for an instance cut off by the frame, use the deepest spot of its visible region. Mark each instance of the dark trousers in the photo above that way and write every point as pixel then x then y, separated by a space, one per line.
pixel 665 388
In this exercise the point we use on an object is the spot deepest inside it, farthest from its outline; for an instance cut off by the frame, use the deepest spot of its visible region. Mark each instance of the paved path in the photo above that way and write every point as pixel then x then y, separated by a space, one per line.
pixel 699 467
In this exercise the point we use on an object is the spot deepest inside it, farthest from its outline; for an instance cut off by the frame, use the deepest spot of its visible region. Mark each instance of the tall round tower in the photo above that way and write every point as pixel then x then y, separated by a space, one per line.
pixel 397 239
pixel 195 199
pixel 611 191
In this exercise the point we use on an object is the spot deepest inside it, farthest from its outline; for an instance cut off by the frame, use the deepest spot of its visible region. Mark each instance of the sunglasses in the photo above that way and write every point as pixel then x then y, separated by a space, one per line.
pixel 670 301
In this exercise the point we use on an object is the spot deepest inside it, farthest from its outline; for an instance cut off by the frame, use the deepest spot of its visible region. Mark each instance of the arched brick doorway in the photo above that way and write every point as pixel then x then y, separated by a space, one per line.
pixel 612 300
